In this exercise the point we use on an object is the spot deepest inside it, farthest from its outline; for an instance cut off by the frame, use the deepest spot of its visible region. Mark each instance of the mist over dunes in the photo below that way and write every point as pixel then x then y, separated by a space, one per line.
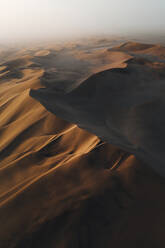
pixel 39 20
pixel 65 180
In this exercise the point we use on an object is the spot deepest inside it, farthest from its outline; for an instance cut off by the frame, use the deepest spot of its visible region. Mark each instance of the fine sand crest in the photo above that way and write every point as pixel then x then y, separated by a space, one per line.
pixel 61 186
pixel 133 47
pixel 121 105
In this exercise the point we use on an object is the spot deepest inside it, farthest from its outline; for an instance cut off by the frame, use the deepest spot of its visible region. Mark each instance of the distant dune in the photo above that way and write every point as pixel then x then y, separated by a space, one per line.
pixel 98 184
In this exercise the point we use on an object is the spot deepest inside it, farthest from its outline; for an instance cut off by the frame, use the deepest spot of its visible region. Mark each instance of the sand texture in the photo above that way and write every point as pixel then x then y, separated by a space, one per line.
pixel 81 146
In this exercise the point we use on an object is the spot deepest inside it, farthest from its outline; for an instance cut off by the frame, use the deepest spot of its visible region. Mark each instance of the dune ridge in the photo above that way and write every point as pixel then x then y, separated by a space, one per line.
pixel 122 104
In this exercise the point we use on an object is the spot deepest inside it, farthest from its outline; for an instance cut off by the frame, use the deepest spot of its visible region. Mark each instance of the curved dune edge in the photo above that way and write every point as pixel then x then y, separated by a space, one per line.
pixel 61 186
pixel 121 105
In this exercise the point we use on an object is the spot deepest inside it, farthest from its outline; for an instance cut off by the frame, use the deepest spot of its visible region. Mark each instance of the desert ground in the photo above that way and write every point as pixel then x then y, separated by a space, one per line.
pixel 82 145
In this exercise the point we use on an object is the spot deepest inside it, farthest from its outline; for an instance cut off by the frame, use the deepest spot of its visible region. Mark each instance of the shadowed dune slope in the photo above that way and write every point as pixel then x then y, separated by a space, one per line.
pixel 61 186
pixel 121 105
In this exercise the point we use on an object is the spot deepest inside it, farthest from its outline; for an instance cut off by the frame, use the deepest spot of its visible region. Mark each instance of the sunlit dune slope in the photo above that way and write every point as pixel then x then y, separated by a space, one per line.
pixel 61 186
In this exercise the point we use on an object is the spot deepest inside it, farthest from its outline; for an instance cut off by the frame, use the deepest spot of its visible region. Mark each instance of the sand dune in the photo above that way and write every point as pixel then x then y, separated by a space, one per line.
pixel 133 47
pixel 122 105
pixel 62 186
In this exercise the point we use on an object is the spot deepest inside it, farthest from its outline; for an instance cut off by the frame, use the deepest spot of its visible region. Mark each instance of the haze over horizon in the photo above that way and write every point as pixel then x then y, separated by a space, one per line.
pixel 25 20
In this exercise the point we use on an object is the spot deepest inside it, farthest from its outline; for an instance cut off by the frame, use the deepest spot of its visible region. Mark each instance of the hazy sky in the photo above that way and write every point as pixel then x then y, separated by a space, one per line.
pixel 27 19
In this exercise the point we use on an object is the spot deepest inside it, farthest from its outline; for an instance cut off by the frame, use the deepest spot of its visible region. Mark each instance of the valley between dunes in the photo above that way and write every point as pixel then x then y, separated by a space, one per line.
pixel 62 186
